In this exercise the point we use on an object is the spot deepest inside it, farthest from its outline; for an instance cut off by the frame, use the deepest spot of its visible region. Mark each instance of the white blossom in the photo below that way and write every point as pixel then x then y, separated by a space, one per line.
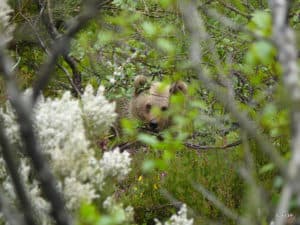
pixel 115 163
pixel 57 120
pixel 114 207
pixel 10 124
pixel 112 80
pixel 178 219
pixel 77 192
pixel 2 168
pixel 41 206
pixel 63 137
pixel 6 29
pixel 60 127
pixel 98 111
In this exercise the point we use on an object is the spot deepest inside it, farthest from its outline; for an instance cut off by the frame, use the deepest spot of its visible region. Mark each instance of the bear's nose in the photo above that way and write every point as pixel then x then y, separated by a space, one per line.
pixel 153 124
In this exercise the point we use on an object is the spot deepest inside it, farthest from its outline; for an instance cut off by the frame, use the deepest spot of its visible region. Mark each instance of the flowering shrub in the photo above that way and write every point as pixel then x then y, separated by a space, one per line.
pixel 41 206
pixel 6 29
pixel 115 208
pixel 178 219
pixel 60 128
pixel 98 113
pixel 115 164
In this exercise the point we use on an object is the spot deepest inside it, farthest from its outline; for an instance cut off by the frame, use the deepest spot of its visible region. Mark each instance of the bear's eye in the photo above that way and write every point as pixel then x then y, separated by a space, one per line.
pixel 164 108
pixel 148 107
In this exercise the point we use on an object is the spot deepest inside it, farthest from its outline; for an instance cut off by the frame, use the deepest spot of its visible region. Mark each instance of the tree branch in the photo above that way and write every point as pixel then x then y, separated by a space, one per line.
pixel 198 33
pixel 284 39
pixel 233 9
pixel 220 205
pixel 47 20
pixel 68 59
pixel 12 168
pixel 231 24
pixel 205 147
pixel 12 216
pixel 61 47
pixel 23 111
pixel 32 148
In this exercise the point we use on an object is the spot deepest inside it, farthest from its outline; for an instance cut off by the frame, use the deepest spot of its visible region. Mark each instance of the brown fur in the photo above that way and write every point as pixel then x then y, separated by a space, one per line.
pixel 151 101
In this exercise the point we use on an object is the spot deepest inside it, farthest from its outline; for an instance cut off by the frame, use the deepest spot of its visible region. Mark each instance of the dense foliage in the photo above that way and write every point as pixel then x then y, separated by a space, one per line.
pixel 204 159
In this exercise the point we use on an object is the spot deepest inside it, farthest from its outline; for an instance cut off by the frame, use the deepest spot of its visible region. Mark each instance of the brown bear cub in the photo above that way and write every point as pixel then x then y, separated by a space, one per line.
pixel 150 102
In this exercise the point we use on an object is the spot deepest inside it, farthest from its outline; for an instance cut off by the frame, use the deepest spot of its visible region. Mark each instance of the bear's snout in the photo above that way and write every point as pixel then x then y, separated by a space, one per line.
pixel 153 124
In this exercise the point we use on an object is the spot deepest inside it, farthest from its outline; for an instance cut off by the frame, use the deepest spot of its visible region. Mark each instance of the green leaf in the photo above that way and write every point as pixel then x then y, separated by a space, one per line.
pixel 165 3
pixel 167 155
pixel 148 166
pixel 88 214
pixel 278 182
pixel 129 126
pixel 267 168
pixel 165 45
pixel 104 37
pixel 105 220
pixel 148 139
pixel 261 23
pixel 149 28
pixel 261 52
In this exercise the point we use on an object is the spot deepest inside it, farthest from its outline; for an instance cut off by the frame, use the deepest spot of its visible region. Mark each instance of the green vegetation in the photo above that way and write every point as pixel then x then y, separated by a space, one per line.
pixel 149 37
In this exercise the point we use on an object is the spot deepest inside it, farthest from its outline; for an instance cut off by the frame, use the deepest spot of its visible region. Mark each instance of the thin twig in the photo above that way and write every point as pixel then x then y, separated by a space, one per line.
pixel 284 39
pixel 11 215
pixel 220 205
pixel 47 20
pixel 31 145
pixel 233 9
pixel 232 25
pixel 45 48
pixel 12 168
pixel 198 33
pixel 61 47
pixel 256 199
pixel 207 147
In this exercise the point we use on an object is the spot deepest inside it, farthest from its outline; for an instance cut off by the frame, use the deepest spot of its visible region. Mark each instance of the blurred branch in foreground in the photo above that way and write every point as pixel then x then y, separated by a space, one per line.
pixel 23 109
pixel 284 39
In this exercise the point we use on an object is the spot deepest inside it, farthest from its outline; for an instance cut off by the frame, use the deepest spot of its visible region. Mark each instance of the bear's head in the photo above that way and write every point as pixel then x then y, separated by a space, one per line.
pixel 151 100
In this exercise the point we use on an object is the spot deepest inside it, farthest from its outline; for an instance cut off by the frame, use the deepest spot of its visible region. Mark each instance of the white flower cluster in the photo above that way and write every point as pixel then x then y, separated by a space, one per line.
pixel 178 219
pixel 119 69
pixel 41 207
pixel 100 114
pixel 6 29
pixel 76 192
pixel 117 210
pixel 61 133
pixel 59 124
pixel 10 125
pixel 2 169
pixel 115 164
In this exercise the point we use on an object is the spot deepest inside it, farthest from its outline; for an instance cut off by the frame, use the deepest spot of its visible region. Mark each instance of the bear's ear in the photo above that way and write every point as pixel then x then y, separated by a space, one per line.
pixel 140 84
pixel 178 87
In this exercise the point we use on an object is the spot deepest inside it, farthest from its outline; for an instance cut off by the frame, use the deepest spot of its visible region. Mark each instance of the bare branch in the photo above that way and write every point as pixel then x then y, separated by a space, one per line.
pixel 232 25
pixel 198 33
pixel 45 48
pixel 47 20
pixel 11 215
pixel 284 39
pixel 256 200
pixel 20 190
pixel 31 145
pixel 233 9
pixel 23 111
pixel 222 207
pixel 204 147
pixel 61 47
